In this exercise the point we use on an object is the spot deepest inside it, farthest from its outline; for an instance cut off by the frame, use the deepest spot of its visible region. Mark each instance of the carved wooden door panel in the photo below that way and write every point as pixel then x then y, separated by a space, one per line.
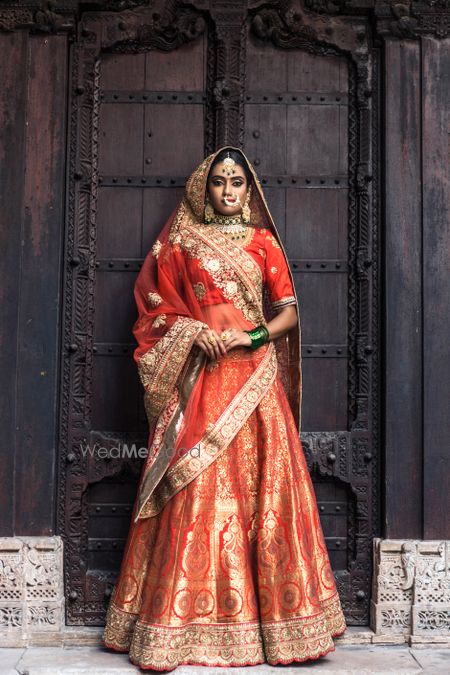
pixel 152 93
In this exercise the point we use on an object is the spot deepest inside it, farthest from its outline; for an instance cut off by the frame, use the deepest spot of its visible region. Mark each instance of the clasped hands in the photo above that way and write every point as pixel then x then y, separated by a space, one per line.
pixel 216 344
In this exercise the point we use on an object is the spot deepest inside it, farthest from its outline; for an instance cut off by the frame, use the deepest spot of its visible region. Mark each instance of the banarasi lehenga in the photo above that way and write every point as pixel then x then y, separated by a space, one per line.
pixel 225 562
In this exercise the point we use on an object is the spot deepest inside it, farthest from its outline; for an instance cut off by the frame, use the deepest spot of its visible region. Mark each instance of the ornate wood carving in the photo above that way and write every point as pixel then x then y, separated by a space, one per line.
pixel 412 19
pixel 38 17
pixel 167 27
pixel 406 20
pixel 76 392
pixel 409 19
pixel 228 90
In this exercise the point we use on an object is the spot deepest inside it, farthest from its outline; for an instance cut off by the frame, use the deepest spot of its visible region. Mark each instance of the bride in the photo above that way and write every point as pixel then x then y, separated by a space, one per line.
pixel 225 562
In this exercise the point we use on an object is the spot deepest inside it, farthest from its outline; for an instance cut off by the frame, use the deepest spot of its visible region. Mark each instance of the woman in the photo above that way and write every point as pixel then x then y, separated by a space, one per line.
pixel 225 562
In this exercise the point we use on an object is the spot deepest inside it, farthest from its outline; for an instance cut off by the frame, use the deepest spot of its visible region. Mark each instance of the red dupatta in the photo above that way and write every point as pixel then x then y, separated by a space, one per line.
pixel 194 276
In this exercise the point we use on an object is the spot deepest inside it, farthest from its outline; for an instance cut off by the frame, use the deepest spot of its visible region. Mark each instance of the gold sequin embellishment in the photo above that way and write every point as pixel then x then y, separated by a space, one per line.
pixel 154 299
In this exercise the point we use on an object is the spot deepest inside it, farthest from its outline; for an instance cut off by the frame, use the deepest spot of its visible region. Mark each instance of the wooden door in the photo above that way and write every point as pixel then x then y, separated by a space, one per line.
pixel 151 95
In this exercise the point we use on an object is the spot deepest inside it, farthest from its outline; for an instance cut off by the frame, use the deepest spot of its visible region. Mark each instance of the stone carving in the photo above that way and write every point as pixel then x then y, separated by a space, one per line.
pixel 411 589
pixel 408 561
pixel 31 584
pixel 431 608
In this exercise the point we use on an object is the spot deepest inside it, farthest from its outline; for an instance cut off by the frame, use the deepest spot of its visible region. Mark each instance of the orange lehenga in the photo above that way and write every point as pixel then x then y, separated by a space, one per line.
pixel 225 562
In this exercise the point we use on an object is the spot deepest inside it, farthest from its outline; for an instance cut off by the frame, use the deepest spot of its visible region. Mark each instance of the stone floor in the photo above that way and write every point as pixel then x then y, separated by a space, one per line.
pixel 346 660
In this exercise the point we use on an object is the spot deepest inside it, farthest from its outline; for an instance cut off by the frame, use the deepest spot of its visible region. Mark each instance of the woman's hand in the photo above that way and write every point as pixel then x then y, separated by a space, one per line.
pixel 211 343
pixel 236 338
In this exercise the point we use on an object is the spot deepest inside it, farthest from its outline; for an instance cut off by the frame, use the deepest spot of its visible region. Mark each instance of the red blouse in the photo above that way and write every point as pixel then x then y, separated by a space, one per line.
pixel 267 252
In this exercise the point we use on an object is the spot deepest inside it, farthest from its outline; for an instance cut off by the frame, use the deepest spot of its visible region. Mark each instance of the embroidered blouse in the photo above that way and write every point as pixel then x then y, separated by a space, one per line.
pixel 267 252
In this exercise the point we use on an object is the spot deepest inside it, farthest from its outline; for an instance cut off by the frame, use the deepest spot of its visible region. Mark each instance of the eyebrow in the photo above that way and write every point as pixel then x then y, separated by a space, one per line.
pixel 234 177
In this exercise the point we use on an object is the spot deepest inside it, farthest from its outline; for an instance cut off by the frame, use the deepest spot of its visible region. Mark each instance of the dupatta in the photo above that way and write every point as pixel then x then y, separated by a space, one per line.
pixel 195 277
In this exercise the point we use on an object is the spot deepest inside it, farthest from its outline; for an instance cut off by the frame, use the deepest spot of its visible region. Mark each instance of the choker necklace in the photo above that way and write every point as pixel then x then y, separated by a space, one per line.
pixel 229 224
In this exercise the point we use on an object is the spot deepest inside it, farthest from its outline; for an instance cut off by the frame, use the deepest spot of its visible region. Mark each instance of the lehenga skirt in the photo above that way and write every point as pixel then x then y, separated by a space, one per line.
pixel 234 570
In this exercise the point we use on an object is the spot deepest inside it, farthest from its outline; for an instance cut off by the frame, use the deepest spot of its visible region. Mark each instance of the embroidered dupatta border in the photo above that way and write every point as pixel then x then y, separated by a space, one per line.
pixel 163 445
pixel 160 367
pixel 217 437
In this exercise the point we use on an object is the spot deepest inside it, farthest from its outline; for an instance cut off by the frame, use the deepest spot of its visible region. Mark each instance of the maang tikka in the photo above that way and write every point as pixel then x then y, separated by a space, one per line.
pixel 229 166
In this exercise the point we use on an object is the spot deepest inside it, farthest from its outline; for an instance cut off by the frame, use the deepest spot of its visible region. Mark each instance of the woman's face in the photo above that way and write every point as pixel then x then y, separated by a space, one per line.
pixel 227 193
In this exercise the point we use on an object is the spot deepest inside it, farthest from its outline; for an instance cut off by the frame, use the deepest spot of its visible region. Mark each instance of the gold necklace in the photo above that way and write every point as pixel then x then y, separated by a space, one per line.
pixel 232 225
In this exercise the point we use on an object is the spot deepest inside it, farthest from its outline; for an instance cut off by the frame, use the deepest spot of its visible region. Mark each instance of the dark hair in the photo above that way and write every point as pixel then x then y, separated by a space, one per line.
pixel 238 158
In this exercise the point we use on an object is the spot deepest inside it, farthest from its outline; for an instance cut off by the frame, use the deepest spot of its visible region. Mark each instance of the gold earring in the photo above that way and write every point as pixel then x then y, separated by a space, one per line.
pixel 209 212
pixel 246 213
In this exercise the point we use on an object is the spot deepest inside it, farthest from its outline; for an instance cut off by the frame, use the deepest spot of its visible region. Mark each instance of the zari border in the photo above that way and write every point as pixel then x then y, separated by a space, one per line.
pixel 225 644
pixel 163 446
pixel 283 302
pixel 217 437
pixel 119 627
pixel 161 365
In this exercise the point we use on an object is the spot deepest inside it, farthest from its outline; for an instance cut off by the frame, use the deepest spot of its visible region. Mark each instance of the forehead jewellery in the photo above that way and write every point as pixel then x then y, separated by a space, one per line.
pixel 229 166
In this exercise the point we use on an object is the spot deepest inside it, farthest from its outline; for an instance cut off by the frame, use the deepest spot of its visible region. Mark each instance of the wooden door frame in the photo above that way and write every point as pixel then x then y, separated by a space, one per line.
pixel 351 456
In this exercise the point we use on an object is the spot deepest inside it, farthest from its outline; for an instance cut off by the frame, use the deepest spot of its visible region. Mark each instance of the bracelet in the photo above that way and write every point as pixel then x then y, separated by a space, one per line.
pixel 259 336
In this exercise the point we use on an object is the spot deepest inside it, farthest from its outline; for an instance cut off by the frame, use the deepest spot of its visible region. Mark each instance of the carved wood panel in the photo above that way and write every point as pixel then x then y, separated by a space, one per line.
pixel 152 92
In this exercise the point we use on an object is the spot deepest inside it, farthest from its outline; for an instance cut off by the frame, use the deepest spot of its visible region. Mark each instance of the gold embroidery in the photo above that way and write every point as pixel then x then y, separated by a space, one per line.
pixel 235 272
pixel 174 234
pixel 157 246
pixel 196 188
pixel 163 647
pixel 273 240
pixel 154 299
pixel 160 366
pixel 274 269
pixel 199 290
pixel 212 265
pixel 160 320
pixel 231 287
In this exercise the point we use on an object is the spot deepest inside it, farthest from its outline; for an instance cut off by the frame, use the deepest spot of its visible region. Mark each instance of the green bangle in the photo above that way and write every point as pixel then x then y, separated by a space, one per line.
pixel 258 336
